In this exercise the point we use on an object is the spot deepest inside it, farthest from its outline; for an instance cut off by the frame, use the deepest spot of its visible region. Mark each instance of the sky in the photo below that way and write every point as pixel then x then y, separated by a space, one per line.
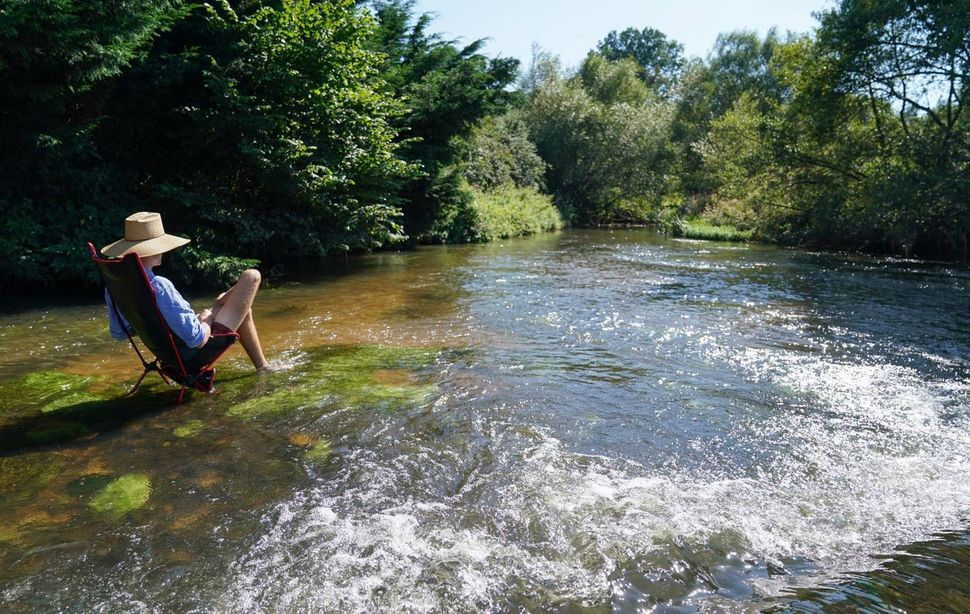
pixel 570 28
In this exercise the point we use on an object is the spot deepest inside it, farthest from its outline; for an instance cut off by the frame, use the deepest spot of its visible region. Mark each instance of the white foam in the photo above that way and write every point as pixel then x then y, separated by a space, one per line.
pixel 874 462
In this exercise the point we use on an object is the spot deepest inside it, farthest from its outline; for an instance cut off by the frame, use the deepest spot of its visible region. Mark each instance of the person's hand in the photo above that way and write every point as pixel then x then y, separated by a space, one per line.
pixel 205 314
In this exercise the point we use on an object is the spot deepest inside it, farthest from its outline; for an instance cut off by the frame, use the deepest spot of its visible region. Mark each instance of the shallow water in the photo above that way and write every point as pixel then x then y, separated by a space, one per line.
pixel 581 422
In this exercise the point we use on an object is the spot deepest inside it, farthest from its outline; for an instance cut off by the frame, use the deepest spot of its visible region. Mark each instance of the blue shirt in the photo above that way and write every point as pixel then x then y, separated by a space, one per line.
pixel 176 310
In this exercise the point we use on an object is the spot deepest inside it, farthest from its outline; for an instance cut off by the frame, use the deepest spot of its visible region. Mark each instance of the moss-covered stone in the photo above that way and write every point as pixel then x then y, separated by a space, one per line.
pixel 121 496
pixel 319 452
pixel 350 377
pixel 45 391
pixel 69 400
pixel 189 429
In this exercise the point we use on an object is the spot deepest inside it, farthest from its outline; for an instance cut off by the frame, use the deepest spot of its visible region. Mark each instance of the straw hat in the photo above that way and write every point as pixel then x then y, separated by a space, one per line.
pixel 145 236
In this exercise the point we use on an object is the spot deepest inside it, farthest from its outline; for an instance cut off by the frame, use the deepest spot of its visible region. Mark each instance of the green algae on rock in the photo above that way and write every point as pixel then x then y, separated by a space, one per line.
pixel 319 452
pixel 353 376
pixel 189 429
pixel 121 496
pixel 46 391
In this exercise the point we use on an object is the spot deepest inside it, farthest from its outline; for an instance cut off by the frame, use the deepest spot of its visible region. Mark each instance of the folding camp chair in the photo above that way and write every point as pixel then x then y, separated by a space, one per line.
pixel 133 297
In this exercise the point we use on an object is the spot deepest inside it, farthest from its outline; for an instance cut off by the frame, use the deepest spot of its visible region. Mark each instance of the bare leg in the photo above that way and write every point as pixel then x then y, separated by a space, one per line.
pixel 250 342
pixel 233 309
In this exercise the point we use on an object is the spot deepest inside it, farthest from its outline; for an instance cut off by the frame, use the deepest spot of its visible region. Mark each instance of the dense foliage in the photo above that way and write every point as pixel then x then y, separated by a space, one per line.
pixel 499 153
pixel 660 59
pixel 505 173
pixel 604 136
pixel 268 130
pixel 850 137
pixel 855 138
pixel 58 60
pixel 511 211
pixel 256 131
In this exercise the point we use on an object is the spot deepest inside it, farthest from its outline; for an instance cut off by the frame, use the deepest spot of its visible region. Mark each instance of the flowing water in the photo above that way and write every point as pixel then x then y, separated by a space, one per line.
pixel 589 421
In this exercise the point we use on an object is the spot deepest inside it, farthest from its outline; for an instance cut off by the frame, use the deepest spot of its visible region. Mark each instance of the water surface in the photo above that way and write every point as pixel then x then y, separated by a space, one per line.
pixel 586 421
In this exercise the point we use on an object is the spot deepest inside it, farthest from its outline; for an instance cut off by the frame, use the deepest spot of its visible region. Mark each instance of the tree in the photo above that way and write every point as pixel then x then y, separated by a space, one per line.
pixel 447 90
pixel 500 153
pixel 913 56
pixel 59 64
pixel 913 53
pixel 830 167
pixel 267 129
pixel 660 59
pixel 613 82
pixel 738 65
pixel 606 146
pixel 260 131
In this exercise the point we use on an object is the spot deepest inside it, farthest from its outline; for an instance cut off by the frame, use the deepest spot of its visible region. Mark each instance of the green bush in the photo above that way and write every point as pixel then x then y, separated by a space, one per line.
pixel 121 496
pixel 455 219
pixel 510 211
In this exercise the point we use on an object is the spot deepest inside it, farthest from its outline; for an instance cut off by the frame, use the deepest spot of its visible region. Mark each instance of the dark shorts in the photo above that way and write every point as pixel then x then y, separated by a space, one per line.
pixel 196 358
pixel 218 328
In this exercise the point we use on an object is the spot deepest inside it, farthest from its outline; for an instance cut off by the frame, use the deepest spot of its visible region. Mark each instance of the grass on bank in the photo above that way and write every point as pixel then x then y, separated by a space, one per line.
pixel 511 211
pixel 699 229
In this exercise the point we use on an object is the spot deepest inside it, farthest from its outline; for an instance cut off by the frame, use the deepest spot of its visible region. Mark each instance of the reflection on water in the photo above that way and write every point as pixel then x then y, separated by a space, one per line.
pixel 588 421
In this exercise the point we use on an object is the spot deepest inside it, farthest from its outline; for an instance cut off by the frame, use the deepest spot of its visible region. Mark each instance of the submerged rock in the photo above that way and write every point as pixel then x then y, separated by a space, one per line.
pixel 319 452
pixel 301 439
pixel 189 429
pixel 121 496
pixel 23 476
pixel 376 377
pixel 45 391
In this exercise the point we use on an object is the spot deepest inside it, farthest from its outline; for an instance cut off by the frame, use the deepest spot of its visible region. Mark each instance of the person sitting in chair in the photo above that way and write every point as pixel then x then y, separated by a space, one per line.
pixel 231 311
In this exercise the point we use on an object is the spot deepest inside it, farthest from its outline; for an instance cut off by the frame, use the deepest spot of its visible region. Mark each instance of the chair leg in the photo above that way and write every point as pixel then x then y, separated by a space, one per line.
pixel 181 394
pixel 167 381
pixel 138 383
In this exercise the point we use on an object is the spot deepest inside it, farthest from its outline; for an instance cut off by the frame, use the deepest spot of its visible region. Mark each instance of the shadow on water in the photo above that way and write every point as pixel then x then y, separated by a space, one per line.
pixel 60 421
pixel 81 421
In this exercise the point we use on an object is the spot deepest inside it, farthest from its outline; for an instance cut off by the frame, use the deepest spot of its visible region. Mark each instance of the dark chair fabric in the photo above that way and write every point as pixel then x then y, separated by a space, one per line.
pixel 134 298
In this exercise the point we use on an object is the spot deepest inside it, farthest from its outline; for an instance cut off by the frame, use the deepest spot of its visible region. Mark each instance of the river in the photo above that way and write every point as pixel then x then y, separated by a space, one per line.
pixel 587 421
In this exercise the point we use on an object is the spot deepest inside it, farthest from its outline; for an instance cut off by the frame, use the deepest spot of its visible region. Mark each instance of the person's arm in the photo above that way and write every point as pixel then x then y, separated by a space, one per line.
pixel 205 321
pixel 116 325
pixel 179 315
